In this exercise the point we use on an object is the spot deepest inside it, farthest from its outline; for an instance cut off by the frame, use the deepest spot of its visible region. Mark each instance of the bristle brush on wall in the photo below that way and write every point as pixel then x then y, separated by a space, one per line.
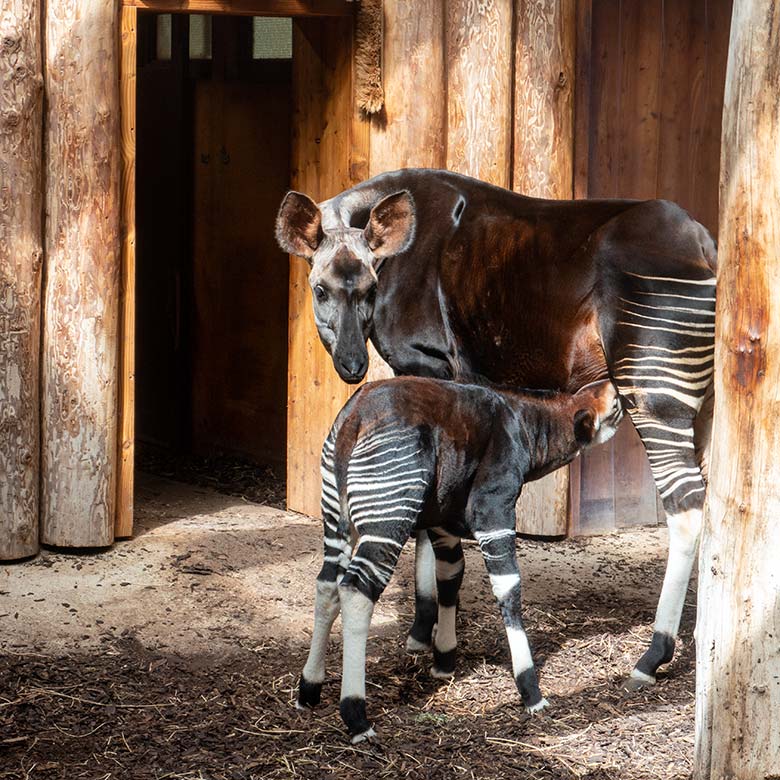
pixel 368 56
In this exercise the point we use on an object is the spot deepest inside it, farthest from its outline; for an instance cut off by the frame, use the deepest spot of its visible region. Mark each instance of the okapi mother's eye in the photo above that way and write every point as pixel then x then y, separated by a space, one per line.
pixel 320 293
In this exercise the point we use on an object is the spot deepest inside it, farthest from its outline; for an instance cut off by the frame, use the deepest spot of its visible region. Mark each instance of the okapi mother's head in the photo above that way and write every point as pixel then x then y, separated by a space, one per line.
pixel 344 264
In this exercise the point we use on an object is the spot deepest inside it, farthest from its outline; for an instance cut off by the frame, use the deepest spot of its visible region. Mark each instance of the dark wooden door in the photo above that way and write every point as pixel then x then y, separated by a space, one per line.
pixel 241 170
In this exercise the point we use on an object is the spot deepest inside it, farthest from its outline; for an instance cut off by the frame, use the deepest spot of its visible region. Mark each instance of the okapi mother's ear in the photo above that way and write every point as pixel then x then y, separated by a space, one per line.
pixel 586 426
pixel 299 225
pixel 391 226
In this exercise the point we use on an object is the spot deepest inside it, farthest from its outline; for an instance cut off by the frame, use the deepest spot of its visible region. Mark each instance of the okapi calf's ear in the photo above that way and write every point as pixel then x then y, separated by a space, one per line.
pixel 586 426
pixel 299 225
pixel 391 226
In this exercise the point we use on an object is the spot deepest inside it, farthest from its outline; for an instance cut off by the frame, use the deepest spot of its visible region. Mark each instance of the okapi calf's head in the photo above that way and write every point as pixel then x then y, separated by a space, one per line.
pixel 554 427
pixel 344 262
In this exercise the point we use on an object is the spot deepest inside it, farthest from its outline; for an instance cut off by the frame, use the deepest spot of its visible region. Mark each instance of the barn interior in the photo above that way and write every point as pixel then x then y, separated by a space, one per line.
pixel 213 162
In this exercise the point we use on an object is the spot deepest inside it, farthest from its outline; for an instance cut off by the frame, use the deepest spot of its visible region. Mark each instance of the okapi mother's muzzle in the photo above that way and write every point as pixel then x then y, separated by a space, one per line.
pixel 344 265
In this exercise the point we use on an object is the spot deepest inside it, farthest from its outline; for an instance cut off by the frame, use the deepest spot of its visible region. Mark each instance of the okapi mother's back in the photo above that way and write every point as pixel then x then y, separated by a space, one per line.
pixel 454 278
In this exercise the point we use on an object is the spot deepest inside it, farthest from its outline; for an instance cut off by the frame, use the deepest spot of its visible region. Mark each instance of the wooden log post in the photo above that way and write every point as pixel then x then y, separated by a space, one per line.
pixel 80 344
pixel 543 167
pixel 21 199
pixel 409 130
pixel 738 627
pixel 479 89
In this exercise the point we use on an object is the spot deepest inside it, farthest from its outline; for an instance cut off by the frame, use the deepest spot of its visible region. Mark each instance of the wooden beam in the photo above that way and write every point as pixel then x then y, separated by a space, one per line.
pixel 21 196
pixel 80 344
pixel 543 166
pixel 328 152
pixel 247 7
pixel 409 132
pixel 737 658
pixel 127 95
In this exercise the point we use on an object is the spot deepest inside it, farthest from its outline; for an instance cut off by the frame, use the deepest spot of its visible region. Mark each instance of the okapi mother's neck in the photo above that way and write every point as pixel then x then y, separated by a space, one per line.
pixel 454 278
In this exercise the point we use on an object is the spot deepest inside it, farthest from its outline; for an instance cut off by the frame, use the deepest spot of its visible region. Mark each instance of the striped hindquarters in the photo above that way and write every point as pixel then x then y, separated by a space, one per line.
pixel 665 350
pixel 387 480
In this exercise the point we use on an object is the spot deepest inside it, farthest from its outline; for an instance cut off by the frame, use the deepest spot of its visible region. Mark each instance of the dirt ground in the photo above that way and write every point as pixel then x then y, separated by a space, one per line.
pixel 176 655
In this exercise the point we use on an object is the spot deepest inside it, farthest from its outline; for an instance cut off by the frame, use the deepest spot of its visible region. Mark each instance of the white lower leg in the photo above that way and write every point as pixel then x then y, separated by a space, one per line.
pixel 326 610
pixel 684 532
pixel 445 639
pixel 444 642
pixel 356 612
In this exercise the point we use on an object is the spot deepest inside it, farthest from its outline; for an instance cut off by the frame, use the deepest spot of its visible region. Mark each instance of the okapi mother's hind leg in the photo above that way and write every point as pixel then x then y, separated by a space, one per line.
pixel 662 363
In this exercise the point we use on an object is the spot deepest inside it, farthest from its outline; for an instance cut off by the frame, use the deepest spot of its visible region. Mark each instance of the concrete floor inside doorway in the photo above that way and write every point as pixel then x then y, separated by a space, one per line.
pixel 176 655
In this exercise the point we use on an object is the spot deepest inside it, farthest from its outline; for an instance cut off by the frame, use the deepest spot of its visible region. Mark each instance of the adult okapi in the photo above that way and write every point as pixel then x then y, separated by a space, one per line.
pixel 454 278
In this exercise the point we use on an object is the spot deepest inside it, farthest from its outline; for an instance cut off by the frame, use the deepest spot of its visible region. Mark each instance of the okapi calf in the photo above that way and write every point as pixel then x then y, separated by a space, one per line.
pixel 412 454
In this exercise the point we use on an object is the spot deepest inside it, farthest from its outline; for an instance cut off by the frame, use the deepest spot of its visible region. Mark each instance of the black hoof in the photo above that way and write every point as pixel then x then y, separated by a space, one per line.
pixel 443 663
pixel 425 616
pixel 308 693
pixel 353 713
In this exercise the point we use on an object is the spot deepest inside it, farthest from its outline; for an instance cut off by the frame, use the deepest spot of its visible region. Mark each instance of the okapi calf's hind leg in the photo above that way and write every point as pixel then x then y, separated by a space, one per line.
pixel 449 576
pixel 326 610
pixel 337 555
pixel 361 586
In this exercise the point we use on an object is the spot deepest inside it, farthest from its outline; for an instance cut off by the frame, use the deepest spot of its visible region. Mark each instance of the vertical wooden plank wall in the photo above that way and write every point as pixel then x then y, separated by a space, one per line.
pixel 325 142
pixel 80 343
pixel 542 166
pixel 123 526
pixel 649 126
pixel 21 192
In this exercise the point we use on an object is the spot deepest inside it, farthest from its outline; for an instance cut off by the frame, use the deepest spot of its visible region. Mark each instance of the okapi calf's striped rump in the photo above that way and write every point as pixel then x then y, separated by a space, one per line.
pixel 412 454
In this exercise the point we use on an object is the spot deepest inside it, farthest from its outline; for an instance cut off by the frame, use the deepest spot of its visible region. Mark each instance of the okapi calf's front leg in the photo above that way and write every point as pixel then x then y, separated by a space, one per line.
pixel 497 545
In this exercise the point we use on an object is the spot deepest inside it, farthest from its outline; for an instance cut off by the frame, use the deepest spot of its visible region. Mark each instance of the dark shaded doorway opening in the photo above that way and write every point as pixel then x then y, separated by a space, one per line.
pixel 213 162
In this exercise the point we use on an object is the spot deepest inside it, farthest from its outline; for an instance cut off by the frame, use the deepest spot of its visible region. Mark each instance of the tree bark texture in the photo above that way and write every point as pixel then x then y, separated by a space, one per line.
pixel 21 133
pixel 738 627
pixel 80 342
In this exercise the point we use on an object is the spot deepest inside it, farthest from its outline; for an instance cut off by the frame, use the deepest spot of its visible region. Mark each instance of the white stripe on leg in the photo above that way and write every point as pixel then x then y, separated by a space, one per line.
pixel 519 649
pixel 445 639
pixel 425 567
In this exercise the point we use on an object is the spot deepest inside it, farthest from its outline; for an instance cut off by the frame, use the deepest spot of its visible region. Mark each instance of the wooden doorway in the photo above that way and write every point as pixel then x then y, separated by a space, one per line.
pixel 326 154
